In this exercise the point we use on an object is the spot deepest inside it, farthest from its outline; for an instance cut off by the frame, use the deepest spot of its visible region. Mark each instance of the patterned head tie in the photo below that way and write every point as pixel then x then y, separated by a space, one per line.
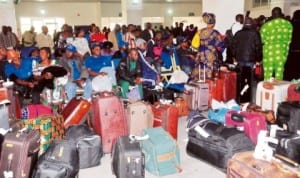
pixel 209 18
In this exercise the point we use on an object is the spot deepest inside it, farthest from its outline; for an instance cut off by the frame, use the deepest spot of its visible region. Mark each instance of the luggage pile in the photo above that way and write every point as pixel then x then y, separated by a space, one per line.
pixel 142 135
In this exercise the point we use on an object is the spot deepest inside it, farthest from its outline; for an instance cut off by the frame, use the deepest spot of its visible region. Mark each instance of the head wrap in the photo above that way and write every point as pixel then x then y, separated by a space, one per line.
pixel 209 18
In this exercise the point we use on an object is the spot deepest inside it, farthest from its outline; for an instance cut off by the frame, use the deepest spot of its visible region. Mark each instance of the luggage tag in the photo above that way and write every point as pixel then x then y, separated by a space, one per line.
pixel 134 138
pixel 201 131
pixel 8 173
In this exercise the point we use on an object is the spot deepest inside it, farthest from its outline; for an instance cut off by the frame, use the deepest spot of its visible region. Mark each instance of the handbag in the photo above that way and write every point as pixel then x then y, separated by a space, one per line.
pixel 259 72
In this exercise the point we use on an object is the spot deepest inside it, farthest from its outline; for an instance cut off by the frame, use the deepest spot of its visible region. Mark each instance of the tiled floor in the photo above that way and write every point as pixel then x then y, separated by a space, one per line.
pixel 192 168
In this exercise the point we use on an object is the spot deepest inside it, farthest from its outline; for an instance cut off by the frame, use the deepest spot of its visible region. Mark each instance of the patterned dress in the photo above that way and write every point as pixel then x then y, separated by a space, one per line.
pixel 276 36
pixel 210 43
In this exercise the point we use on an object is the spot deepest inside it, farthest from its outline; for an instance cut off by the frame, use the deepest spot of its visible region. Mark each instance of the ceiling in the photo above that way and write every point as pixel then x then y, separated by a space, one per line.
pixel 117 1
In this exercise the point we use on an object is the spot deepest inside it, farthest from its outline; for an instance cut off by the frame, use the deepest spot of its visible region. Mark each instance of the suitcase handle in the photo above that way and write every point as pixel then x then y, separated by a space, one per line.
pixel 237 117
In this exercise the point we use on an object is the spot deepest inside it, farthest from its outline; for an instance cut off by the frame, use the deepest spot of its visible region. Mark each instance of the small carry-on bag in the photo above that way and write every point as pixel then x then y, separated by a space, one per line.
pixel 230 84
pixel 88 145
pixel 268 114
pixel 139 117
pixel 162 155
pixel 128 159
pixel 109 118
pixel 215 143
pixel 244 165
pixel 19 153
pixel 76 111
pixel 35 110
pixel 166 116
pixel 270 94
pixel 288 115
pixel 294 92
pixel 61 160
pixel 216 89
pixel 197 96
pixel 250 123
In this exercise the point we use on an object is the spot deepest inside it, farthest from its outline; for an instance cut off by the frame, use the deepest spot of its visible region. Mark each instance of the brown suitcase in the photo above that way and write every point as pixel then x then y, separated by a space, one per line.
pixel 15 105
pixel 197 96
pixel 244 165
pixel 139 117
pixel 19 153
pixel 229 86
pixel 183 109
pixel 109 118
pixel 75 111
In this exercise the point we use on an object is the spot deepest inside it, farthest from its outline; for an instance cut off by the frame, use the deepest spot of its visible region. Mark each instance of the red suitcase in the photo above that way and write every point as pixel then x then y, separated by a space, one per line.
pixel 19 153
pixel 215 89
pixel 251 123
pixel 75 111
pixel 166 116
pixel 294 92
pixel 109 118
pixel 229 85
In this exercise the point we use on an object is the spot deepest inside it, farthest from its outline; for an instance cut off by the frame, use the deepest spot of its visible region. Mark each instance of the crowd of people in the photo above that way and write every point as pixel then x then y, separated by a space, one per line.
pixel 84 55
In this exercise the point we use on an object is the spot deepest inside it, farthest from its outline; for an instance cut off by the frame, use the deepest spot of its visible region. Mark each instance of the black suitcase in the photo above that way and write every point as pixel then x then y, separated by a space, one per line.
pixel 153 96
pixel 288 145
pixel 61 160
pixel 88 145
pixel 221 144
pixel 288 116
pixel 128 159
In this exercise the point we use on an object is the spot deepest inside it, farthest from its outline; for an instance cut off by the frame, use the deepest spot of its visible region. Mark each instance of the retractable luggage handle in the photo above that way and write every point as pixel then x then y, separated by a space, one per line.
pixel 237 117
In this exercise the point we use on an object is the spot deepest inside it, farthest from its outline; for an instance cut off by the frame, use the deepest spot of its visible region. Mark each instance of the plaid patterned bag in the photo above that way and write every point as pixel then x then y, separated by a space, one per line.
pixel 50 127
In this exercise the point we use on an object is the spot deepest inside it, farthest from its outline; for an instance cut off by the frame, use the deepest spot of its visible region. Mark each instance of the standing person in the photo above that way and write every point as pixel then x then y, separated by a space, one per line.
pixel 276 37
pixel 148 33
pixel 129 72
pixel 44 39
pixel 130 37
pixel 247 52
pixel 28 38
pixel 116 37
pixel 7 38
pixel 211 43
pixel 292 64
pixel 3 62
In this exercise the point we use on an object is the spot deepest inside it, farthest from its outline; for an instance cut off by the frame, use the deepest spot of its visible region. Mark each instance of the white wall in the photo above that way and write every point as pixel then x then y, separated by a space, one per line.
pixel 110 9
pixel 8 16
pixel 224 16
pixel 74 13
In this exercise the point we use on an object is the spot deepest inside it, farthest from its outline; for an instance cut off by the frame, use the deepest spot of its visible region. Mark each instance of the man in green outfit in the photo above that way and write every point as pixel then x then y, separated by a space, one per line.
pixel 276 37
pixel 129 73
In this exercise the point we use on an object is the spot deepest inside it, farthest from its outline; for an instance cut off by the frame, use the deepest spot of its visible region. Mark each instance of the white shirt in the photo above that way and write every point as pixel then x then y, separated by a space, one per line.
pixel 44 40
pixel 236 27
pixel 81 44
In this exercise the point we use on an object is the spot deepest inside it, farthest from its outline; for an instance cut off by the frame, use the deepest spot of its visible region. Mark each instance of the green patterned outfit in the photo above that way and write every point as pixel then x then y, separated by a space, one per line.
pixel 276 37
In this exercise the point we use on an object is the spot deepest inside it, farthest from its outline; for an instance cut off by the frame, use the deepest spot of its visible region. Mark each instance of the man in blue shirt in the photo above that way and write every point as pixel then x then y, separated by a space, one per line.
pixel 77 74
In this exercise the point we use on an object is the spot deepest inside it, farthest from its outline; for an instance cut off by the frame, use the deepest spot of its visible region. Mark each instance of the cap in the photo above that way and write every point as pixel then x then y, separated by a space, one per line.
pixel 140 41
pixel 71 48
pixel 94 45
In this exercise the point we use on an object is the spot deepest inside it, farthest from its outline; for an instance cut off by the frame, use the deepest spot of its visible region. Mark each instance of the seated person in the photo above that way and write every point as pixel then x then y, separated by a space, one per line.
pixel 97 64
pixel 107 49
pixel 129 73
pixel 186 56
pixel 154 50
pixel 3 62
pixel 148 72
pixel 77 74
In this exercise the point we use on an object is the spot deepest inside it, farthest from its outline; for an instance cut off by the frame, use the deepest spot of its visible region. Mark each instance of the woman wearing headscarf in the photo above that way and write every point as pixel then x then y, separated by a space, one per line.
pixel 292 64
pixel 211 43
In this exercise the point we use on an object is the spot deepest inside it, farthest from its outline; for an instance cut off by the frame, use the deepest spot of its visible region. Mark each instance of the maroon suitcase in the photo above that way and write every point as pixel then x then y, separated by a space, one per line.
pixel 109 118
pixel 166 116
pixel 229 86
pixel 294 92
pixel 19 153
pixel 76 111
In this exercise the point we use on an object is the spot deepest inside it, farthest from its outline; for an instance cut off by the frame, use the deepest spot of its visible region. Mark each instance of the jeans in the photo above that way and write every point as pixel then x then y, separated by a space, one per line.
pixel 71 88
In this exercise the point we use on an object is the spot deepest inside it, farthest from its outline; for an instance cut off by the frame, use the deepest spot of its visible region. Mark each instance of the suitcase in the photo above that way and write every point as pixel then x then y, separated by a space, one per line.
pixel 76 111
pixel 166 116
pixel 4 119
pixel 294 92
pixel 216 89
pixel 181 105
pixel 139 117
pixel 269 94
pixel 109 118
pixel 152 96
pixel 244 165
pixel 50 127
pixel 128 160
pixel 61 160
pixel 230 85
pixel 288 116
pixel 15 104
pixel 288 145
pixel 250 123
pixel 86 141
pixel 162 156
pixel 197 96
pixel 218 144
pixel 35 110
pixel 19 153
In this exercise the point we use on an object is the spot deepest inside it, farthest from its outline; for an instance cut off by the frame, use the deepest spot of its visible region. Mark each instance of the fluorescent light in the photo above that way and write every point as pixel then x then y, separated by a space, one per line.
pixel 42 11
pixel 170 11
